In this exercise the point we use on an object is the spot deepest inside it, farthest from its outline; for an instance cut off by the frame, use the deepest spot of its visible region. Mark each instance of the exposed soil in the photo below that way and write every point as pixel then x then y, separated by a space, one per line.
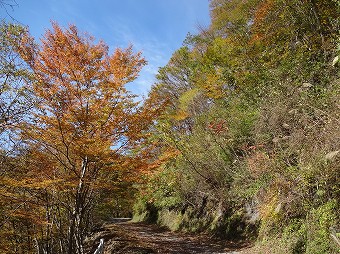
pixel 140 238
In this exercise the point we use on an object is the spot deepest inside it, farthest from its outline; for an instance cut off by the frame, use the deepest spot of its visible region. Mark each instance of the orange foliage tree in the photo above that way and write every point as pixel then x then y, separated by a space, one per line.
pixel 85 124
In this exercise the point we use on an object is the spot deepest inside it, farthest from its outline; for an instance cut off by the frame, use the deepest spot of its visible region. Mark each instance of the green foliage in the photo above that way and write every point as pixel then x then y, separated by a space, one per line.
pixel 170 219
pixel 140 212
pixel 247 142
pixel 294 236
pixel 318 223
pixel 253 116
pixel 16 100
pixel 17 211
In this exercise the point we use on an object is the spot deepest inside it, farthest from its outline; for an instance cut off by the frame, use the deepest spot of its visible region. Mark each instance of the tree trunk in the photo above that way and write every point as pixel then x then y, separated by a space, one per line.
pixel 75 238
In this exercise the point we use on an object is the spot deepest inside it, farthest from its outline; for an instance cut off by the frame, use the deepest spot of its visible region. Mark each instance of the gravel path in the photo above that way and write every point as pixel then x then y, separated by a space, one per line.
pixel 141 238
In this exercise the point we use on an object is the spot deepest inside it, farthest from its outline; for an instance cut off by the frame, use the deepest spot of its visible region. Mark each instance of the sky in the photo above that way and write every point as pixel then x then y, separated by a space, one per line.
pixel 155 27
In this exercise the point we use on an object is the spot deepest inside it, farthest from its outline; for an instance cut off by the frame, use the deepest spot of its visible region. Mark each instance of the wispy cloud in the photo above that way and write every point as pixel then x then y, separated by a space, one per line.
pixel 156 52
pixel 157 28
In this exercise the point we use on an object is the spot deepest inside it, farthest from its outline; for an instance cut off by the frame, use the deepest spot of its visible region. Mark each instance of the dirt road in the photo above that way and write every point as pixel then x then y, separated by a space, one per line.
pixel 141 238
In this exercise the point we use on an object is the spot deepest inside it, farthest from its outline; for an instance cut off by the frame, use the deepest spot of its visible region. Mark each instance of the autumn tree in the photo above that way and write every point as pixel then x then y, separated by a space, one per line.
pixel 85 124
pixel 16 100
pixel 16 105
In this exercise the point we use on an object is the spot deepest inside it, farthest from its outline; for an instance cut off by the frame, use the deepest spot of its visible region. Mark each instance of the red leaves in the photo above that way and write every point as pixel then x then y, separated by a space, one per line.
pixel 262 11
pixel 218 127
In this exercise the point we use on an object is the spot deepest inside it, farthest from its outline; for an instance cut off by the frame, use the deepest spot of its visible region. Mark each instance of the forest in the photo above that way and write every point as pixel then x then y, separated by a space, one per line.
pixel 238 138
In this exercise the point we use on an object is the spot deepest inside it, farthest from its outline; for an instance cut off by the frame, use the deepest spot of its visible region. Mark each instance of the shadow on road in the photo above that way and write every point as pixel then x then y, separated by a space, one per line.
pixel 122 236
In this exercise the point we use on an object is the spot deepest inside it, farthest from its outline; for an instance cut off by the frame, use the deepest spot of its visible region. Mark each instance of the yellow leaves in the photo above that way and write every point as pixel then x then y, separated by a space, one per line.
pixel 30 183
pixel 41 184
pixel 86 128
pixel 214 86
pixel 85 111
pixel 226 15
pixel 170 153
pixel 187 97
pixel 180 115
pixel 184 102
pixel 5 193
pixel 125 65
pixel 34 215
pixel 270 210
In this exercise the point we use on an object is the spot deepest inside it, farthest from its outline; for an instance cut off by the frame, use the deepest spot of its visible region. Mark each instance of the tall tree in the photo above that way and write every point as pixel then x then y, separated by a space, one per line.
pixel 16 104
pixel 85 123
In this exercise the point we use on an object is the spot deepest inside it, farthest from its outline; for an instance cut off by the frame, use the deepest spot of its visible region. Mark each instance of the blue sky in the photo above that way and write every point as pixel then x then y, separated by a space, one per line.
pixel 155 27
